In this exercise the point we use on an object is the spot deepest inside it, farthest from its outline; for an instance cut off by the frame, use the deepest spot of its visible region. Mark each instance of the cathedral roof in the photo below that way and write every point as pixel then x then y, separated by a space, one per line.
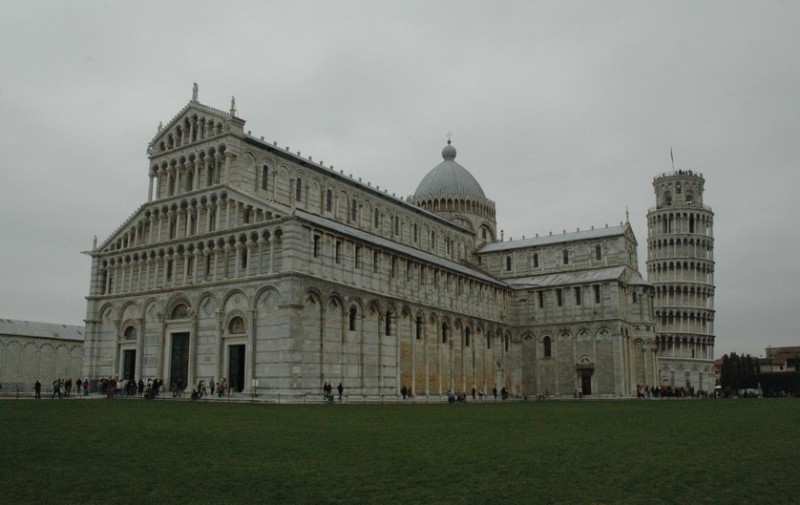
pixel 567 278
pixel 449 178
pixel 556 239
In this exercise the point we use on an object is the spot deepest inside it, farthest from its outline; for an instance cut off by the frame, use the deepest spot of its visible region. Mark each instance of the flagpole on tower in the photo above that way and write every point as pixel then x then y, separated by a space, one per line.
pixel 672 158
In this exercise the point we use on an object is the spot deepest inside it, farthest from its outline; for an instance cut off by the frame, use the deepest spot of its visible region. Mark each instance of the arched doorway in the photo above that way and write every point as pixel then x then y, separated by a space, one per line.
pixel 585 370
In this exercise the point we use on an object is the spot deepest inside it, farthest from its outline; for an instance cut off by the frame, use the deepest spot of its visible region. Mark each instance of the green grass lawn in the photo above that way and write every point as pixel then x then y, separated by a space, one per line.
pixel 164 452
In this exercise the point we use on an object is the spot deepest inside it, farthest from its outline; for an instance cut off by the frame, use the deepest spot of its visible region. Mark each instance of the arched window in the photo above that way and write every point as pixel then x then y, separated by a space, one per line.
pixel 181 311
pixel 388 322
pixel 419 327
pixel 508 263
pixel 548 347
pixel 467 334
pixel 445 332
pixel 298 190
pixel 236 326
pixel 328 200
pixel 265 177
pixel 353 315
pixel 130 333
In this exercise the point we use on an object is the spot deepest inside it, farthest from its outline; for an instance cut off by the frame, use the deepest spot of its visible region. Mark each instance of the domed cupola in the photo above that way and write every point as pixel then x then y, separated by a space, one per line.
pixel 452 192
pixel 450 178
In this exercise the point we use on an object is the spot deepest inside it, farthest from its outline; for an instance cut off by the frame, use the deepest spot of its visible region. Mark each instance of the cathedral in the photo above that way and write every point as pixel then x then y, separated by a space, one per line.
pixel 277 272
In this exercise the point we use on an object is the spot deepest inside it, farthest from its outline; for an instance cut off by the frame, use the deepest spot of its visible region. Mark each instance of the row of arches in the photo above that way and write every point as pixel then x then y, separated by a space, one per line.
pixel 545 342
pixel 674 248
pixel 701 267
pixel 258 252
pixel 701 296
pixel 670 316
pixel 192 128
pixel 700 223
pixel 23 361
pixel 205 168
pixel 373 345
pixel 188 217
pixel 686 347
pixel 484 209
pixel 685 321
pixel 430 351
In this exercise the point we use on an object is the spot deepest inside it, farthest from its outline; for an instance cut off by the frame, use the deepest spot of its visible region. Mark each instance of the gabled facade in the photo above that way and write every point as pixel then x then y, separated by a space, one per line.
pixel 257 264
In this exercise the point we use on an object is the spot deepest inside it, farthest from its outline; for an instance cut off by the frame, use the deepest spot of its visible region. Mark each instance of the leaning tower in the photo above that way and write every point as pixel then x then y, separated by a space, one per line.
pixel 680 265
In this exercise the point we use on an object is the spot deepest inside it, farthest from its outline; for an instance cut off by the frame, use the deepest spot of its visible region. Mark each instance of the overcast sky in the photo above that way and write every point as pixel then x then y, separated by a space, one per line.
pixel 563 111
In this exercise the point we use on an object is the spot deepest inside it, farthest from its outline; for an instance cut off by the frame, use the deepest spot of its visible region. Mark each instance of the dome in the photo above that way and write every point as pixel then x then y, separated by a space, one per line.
pixel 449 178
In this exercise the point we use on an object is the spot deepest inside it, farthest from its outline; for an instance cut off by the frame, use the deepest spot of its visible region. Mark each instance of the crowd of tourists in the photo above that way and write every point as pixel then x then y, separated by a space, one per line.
pixel 671 392
pixel 113 386
pixel 62 388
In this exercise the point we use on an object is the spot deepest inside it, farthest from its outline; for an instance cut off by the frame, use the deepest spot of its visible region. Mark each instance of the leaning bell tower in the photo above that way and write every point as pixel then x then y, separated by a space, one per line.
pixel 680 266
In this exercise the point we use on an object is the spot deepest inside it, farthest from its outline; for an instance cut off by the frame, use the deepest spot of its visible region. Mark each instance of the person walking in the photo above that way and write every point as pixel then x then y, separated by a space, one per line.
pixel 38 389
pixel 56 389
pixel 340 388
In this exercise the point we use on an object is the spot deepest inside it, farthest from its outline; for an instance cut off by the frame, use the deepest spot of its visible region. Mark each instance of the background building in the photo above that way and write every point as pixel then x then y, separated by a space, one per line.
pixel 781 360
pixel 31 351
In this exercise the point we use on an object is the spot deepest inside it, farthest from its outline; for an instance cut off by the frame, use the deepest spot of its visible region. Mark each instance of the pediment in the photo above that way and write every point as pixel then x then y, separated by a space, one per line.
pixel 193 123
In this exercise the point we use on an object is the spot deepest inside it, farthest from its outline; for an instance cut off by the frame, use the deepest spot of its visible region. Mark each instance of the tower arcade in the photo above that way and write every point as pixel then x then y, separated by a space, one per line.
pixel 680 266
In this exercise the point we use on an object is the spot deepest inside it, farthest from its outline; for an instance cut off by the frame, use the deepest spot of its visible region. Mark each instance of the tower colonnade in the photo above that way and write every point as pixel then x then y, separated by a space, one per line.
pixel 680 266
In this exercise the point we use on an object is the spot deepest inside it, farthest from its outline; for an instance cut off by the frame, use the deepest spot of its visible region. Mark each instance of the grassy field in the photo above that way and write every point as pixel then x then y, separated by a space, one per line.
pixel 163 452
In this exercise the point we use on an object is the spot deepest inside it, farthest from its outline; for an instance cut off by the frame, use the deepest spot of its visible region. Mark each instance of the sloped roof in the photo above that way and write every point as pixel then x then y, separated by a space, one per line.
pixel 565 278
pixel 41 330
pixel 577 277
pixel 555 239
pixel 396 246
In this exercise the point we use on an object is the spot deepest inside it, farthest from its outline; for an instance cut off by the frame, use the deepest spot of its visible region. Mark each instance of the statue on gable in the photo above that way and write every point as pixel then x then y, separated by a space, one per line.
pixel 194 92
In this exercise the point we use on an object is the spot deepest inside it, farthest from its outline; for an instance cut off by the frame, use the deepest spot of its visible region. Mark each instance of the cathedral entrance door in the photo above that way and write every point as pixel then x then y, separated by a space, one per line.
pixel 236 366
pixel 129 365
pixel 179 359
